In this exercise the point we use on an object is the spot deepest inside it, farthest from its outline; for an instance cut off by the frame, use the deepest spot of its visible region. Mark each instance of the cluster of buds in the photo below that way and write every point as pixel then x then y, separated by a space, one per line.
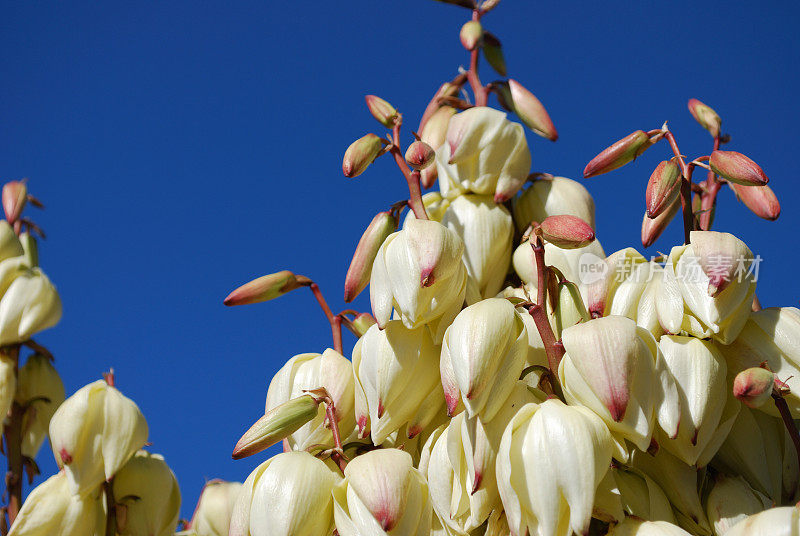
pixel 512 377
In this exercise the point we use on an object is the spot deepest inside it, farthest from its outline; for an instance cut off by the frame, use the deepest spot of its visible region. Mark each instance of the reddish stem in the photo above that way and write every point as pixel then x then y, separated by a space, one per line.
pixel 111 507
pixel 481 92
pixel 541 271
pixel 552 348
pixel 412 178
pixel 709 200
pixel 788 421
pixel 338 453
pixel 336 326
pixel 686 187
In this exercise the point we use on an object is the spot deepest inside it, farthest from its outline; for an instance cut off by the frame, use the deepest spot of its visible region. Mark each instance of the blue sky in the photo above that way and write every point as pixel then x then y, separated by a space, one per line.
pixel 183 148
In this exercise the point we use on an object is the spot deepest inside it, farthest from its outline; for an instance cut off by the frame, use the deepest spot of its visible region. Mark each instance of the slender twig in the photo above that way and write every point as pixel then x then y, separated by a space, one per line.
pixel 336 325
pixel 12 433
pixel 552 348
pixel 541 271
pixel 686 187
pixel 788 421
pixel 709 199
pixel 481 92
pixel 412 178
pixel 338 452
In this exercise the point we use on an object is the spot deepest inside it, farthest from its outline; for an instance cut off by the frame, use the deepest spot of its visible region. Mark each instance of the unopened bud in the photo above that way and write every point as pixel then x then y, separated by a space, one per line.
pixel 619 154
pixel 566 232
pixel 531 111
pixel 489 5
pixel 653 227
pixel 362 322
pixel 662 188
pixel 503 93
pixel 760 199
pixel 266 288
pixel 381 110
pixel 381 226
pixel 420 155
pixel 15 195
pixel 278 423
pixel 753 386
pixel 493 52
pixel 706 116
pixel 360 155
pixel 471 34
pixel 737 168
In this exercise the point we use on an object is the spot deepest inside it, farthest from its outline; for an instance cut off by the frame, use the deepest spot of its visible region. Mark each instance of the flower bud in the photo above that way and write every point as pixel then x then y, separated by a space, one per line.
pixel 531 111
pixel 381 110
pixel 30 305
pixel 471 34
pixel 619 154
pixel 772 522
pixel 277 424
pixel 10 245
pixel 753 387
pixel 731 500
pixel 706 116
pixel 761 200
pixel 610 367
pixel 566 232
pixel 697 414
pixel 493 52
pixel 265 288
pixel 420 155
pixel 40 390
pixel 30 248
pixel 487 231
pixel 51 509
pixel 362 322
pixel 419 273
pixel 382 493
pixel 360 155
pixel 633 526
pixel 485 154
pixel 483 354
pixel 397 380
pixel 212 515
pixel 551 196
pixel 653 227
pixel 381 226
pixel 737 168
pixel 147 497
pixel 662 188
pixel 15 195
pixel 434 133
pixel 304 372
pixel 287 495
pixel 94 433
pixel 562 452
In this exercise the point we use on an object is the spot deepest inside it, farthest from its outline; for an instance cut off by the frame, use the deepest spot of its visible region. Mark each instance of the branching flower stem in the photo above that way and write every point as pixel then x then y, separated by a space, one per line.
pixel 686 187
pixel 334 320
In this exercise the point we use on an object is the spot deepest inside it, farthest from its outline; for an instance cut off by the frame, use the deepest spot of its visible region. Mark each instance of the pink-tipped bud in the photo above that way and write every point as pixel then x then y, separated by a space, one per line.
pixel 381 226
pixel 420 155
pixel 360 155
pixel 493 52
pixel 760 199
pixel 706 116
pixel 531 111
pixel 653 227
pixel 662 188
pixel 566 232
pixel 381 110
pixel 619 154
pixel 471 34
pixel 266 288
pixel 15 195
pixel 489 5
pixel 737 168
pixel 753 386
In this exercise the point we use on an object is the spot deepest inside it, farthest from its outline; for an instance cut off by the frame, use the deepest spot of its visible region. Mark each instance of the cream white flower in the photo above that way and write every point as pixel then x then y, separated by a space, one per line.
pixel 784 521
pixel 637 527
pixel 287 495
pixel 759 449
pixel 382 493
pixel 147 497
pixel 483 354
pixel 697 415
pixel 10 246
pixel 484 154
pixel 552 196
pixel 459 463
pixel 487 231
pixel 610 367
pixel 708 287
pixel 51 509
pixel 397 381
pixel 8 382
pixel 30 305
pixel 212 516
pixel 635 494
pixel 94 433
pixel 39 388
pixel 570 262
pixel 420 274
pixel 551 459
pixel 731 500
pixel 329 370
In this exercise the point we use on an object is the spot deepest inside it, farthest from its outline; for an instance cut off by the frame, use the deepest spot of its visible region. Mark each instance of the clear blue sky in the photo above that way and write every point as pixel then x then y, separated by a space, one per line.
pixel 183 148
